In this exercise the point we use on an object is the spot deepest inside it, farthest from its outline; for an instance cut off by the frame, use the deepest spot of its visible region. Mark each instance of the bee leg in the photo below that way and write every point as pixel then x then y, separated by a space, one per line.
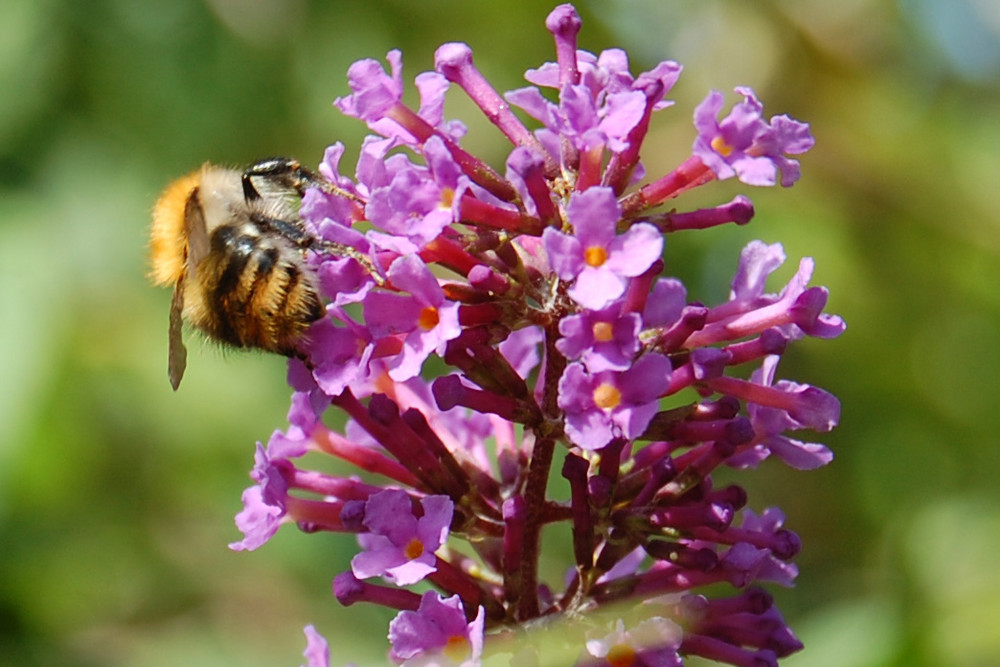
pixel 305 241
pixel 290 230
pixel 287 173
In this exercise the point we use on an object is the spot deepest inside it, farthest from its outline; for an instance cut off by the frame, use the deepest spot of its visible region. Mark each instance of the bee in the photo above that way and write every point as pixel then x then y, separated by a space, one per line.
pixel 234 249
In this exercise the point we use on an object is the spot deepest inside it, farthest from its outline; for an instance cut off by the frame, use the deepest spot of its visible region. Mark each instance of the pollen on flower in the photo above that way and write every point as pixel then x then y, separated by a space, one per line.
pixel 429 318
pixel 721 146
pixel 607 396
pixel 621 655
pixel 414 549
pixel 595 255
pixel 603 332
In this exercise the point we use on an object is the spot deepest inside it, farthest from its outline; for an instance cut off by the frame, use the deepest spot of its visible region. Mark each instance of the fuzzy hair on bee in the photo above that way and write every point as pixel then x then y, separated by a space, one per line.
pixel 233 247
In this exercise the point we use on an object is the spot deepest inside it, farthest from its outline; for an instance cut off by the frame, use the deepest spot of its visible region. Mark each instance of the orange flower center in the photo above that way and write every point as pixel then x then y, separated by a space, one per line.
pixel 607 396
pixel 595 255
pixel 603 332
pixel 447 198
pixel 721 147
pixel 457 648
pixel 428 318
pixel 621 655
pixel 414 549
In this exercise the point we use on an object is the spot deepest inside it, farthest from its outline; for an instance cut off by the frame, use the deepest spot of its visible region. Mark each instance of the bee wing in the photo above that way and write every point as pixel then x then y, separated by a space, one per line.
pixel 195 230
pixel 177 355
pixel 197 248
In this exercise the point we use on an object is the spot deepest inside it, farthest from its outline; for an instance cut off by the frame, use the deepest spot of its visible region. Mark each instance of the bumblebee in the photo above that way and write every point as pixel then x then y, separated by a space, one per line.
pixel 234 249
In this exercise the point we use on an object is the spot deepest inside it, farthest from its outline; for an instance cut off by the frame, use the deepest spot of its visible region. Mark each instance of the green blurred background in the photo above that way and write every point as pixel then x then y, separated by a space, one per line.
pixel 117 495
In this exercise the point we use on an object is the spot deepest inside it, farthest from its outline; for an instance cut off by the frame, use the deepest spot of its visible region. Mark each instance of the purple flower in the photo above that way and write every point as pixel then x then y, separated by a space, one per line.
pixel 265 505
pixel 769 525
pixel 423 320
pixel 258 521
pixel 744 145
pixel 806 406
pixel 785 136
pixel 599 260
pixel 606 405
pixel 317 653
pixel 419 202
pixel 605 340
pixel 795 311
pixel 437 634
pixel 521 349
pixel 339 355
pixel 400 546
pixel 652 643
pixel 665 303
pixel 757 262
pixel 604 106
pixel 375 92
pixel 770 424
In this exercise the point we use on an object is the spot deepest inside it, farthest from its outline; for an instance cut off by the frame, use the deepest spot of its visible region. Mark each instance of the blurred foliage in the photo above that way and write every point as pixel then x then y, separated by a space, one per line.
pixel 117 496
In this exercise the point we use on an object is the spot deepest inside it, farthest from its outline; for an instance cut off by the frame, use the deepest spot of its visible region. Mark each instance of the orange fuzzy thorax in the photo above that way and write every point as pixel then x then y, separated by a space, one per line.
pixel 168 243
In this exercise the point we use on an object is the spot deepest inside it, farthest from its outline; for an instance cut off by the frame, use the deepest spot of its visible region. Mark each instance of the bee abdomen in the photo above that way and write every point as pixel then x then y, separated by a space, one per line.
pixel 264 296
pixel 282 306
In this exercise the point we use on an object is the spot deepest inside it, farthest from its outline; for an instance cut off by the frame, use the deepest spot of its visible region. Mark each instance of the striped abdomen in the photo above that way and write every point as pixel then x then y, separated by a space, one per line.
pixel 254 289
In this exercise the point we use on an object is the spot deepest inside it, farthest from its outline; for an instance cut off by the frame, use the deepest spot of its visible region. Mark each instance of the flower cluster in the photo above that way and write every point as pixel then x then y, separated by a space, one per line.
pixel 541 292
